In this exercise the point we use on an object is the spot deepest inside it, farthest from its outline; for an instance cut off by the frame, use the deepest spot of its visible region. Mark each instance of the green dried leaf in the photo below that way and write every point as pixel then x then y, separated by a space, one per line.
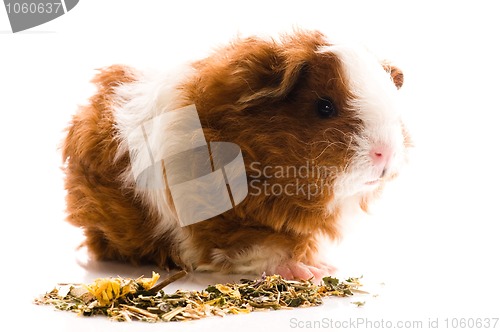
pixel 359 303
pixel 331 282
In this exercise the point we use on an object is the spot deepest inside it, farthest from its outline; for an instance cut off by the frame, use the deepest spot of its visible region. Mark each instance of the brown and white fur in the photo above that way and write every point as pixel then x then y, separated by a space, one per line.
pixel 262 95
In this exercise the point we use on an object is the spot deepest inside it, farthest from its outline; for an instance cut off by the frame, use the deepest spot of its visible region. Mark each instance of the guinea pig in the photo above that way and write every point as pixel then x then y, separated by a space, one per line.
pixel 318 127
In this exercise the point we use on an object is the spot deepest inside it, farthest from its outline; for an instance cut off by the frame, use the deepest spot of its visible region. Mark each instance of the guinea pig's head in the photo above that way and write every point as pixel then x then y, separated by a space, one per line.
pixel 317 122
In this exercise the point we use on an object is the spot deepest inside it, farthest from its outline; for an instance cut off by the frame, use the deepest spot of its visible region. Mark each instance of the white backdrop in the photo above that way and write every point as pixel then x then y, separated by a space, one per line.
pixel 430 247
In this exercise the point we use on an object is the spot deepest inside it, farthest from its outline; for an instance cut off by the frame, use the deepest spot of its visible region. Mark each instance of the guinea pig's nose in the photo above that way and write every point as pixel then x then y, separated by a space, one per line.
pixel 381 156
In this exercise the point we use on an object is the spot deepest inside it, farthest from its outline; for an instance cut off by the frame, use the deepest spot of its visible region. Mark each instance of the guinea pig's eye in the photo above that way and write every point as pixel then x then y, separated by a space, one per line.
pixel 325 108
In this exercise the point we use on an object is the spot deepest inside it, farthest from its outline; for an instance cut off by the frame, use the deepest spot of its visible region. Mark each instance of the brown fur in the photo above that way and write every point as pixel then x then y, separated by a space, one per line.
pixel 258 94
pixel 396 73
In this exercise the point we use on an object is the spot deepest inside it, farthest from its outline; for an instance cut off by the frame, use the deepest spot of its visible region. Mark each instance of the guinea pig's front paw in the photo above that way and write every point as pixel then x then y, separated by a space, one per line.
pixel 299 270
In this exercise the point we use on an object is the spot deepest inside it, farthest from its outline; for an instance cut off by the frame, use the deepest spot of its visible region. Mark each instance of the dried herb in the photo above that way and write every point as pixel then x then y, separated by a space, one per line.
pixel 359 303
pixel 124 299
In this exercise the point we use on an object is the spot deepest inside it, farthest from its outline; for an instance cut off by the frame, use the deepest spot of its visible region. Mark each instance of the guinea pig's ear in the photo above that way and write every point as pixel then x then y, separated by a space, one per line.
pixel 274 81
pixel 396 73
pixel 282 66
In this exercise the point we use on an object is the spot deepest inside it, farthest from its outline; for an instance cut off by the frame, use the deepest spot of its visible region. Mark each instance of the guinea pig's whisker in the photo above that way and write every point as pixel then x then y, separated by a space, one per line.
pixel 328 142
pixel 323 151
pixel 348 161
pixel 299 140
pixel 347 164
pixel 325 132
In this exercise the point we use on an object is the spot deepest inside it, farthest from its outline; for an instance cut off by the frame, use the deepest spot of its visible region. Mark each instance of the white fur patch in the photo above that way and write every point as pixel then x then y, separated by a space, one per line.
pixel 376 105
pixel 255 259
pixel 152 94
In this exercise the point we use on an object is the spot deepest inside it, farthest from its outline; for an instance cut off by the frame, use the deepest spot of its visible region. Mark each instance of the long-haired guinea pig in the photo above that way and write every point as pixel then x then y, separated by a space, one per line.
pixel 317 126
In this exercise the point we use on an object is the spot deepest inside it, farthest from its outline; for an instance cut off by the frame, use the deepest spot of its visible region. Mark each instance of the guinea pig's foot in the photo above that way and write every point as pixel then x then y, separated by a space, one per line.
pixel 326 269
pixel 299 270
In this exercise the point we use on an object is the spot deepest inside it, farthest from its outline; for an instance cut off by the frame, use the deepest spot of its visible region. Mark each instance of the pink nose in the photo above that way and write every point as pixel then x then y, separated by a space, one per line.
pixel 381 156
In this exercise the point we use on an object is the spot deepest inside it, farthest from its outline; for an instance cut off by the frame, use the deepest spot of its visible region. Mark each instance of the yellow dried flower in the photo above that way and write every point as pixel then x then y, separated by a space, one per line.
pixel 224 289
pixel 148 283
pixel 105 290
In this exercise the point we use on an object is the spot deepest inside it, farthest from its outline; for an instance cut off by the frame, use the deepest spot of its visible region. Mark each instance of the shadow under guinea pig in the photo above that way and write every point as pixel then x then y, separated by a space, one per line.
pixel 192 281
